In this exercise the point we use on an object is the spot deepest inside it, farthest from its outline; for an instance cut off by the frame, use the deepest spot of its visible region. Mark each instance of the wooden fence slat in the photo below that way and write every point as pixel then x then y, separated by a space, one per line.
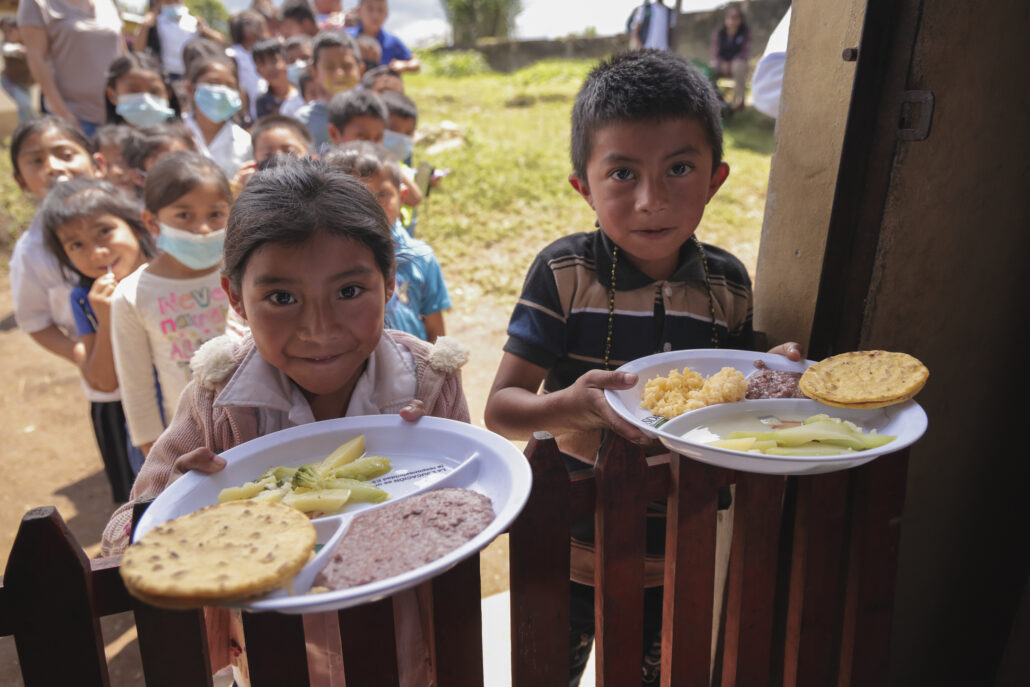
pixel 276 653
pixel 538 543
pixel 457 635
pixel 817 572
pixel 879 500
pixel 689 594
pixel 157 630
pixel 620 525
pixel 369 644
pixel 48 578
pixel 750 602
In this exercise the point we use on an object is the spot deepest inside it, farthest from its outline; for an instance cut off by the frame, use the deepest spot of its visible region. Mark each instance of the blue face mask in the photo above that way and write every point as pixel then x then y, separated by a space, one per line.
pixel 399 144
pixel 174 12
pixel 143 109
pixel 217 103
pixel 294 71
pixel 196 251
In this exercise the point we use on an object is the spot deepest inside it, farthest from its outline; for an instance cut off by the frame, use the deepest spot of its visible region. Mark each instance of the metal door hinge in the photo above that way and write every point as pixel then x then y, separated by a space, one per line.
pixel 921 128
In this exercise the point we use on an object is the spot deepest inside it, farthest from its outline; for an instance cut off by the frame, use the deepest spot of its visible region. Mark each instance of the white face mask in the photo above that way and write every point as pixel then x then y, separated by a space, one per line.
pixel 196 251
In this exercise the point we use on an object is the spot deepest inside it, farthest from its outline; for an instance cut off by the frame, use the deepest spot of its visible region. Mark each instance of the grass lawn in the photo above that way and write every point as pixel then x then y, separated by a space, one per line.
pixel 507 195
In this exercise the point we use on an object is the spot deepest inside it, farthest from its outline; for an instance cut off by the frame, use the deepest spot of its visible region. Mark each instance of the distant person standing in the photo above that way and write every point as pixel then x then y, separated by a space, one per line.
pixel 69 45
pixel 16 79
pixel 372 15
pixel 650 25
pixel 731 45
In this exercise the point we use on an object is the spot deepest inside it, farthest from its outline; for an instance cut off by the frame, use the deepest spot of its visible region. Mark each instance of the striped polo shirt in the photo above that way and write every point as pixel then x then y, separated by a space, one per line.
pixel 561 319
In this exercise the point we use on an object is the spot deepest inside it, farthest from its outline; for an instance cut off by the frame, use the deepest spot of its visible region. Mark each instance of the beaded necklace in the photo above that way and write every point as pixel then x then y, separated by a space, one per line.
pixel 611 300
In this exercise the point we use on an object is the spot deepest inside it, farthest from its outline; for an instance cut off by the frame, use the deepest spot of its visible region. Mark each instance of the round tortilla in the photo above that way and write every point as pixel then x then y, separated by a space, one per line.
pixel 221 553
pixel 864 379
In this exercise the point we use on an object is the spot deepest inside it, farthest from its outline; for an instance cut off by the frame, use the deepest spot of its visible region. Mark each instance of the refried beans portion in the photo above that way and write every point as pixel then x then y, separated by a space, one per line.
pixel 767 383
pixel 402 536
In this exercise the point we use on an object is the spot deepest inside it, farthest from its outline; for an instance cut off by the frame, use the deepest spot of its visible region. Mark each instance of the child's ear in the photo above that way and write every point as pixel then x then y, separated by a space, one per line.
pixel 718 178
pixel 21 182
pixel 235 299
pixel 112 97
pixel 581 187
pixel 99 166
pixel 150 222
pixel 390 283
pixel 334 135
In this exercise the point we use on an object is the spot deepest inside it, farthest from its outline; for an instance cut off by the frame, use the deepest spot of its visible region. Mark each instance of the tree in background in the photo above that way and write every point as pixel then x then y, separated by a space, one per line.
pixel 211 11
pixel 474 19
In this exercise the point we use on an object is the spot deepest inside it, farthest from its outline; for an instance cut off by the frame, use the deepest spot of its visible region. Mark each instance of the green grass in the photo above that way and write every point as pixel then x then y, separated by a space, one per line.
pixel 508 193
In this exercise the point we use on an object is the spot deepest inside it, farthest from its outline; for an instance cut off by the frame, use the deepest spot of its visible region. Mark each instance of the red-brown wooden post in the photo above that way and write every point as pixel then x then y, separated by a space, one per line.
pixel 689 588
pixel 369 644
pixel 620 532
pixel 48 586
pixel 457 636
pixel 750 602
pixel 276 652
pixel 538 543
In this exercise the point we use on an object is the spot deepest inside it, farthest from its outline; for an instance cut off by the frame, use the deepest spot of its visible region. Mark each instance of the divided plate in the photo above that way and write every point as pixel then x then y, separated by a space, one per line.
pixel 907 420
pixel 429 454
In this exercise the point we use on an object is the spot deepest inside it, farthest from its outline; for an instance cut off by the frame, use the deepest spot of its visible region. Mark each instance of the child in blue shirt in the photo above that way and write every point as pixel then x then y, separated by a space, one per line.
pixel 420 295
pixel 372 15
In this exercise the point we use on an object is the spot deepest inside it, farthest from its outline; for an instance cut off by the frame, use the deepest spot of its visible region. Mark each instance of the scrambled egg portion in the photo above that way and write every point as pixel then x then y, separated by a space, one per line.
pixel 679 392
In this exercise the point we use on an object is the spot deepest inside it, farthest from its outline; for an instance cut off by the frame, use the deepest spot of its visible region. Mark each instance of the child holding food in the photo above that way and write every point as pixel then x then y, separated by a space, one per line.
pixel 647 157
pixel 95 232
pixel 309 264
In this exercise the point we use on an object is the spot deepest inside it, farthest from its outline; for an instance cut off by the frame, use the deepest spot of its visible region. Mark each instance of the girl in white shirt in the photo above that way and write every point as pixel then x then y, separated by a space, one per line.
pixel 214 88
pixel 164 311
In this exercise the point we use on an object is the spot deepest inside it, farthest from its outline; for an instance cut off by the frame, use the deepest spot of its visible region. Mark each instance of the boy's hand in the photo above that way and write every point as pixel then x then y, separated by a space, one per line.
pixel 100 295
pixel 201 459
pixel 587 393
pixel 791 350
pixel 413 411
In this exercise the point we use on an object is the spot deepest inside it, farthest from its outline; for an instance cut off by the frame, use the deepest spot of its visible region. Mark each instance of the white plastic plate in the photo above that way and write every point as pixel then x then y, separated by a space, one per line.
pixel 905 421
pixel 428 454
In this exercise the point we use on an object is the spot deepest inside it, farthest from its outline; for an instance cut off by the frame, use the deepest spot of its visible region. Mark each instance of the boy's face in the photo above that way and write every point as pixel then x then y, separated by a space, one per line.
pixel 387 194
pixel 402 125
pixel 271 68
pixel 276 140
pixel 649 183
pixel 117 172
pixel 337 69
pixel 298 53
pixel 372 14
pixel 359 129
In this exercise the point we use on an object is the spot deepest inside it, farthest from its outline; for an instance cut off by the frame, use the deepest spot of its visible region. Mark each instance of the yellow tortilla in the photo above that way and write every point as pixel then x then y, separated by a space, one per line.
pixel 864 379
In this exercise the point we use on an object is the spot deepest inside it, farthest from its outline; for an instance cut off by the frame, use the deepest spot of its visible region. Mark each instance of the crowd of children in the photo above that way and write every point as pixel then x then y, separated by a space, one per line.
pixel 233 252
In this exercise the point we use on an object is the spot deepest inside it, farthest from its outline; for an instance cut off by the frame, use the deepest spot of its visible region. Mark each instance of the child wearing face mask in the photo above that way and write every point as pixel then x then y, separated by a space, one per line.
pixel 164 311
pixel 165 29
pixel 212 84
pixel 138 94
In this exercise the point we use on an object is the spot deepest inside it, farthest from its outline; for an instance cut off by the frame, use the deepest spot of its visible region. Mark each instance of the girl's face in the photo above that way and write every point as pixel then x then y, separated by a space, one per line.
pixel 50 155
pixel 387 195
pixel 316 312
pixel 217 74
pixel 201 211
pixel 137 81
pixel 95 245
pixel 117 173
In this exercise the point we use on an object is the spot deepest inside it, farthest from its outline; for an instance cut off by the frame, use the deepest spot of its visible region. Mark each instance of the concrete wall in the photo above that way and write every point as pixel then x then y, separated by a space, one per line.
pixel 809 131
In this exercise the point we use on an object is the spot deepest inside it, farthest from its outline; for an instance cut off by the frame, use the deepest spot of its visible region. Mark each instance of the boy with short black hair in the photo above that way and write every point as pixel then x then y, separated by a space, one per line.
pixel 647 157
pixel 246 29
pixel 297 18
pixel 372 15
pixel 278 134
pixel 356 116
pixel 270 61
pixel 336 66
pixel 381 79
pixel 146 146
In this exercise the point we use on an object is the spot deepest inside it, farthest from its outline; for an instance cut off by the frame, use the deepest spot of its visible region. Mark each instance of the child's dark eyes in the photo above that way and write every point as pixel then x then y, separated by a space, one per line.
pixel 351 291
pixel 281 298
pixel 622 174
pixel 680 169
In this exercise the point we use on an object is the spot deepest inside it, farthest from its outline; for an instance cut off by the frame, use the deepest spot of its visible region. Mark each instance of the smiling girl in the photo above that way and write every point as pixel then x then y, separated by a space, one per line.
pixel 309 263
pixel 164 311
pixel 96 234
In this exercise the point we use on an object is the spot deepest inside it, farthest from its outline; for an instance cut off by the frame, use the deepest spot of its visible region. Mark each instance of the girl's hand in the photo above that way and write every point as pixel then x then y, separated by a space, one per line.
pixel 585 401
pixel 413 411
pixel 201 459
pixel 243 175
pixel 100 295
pixel 791 350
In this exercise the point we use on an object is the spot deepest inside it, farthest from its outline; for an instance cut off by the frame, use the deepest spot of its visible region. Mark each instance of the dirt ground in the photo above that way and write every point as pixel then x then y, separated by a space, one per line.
pixel 49 457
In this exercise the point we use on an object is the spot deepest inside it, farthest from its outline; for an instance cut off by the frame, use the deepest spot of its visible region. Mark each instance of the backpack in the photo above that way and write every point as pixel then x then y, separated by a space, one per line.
pixel 644 23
